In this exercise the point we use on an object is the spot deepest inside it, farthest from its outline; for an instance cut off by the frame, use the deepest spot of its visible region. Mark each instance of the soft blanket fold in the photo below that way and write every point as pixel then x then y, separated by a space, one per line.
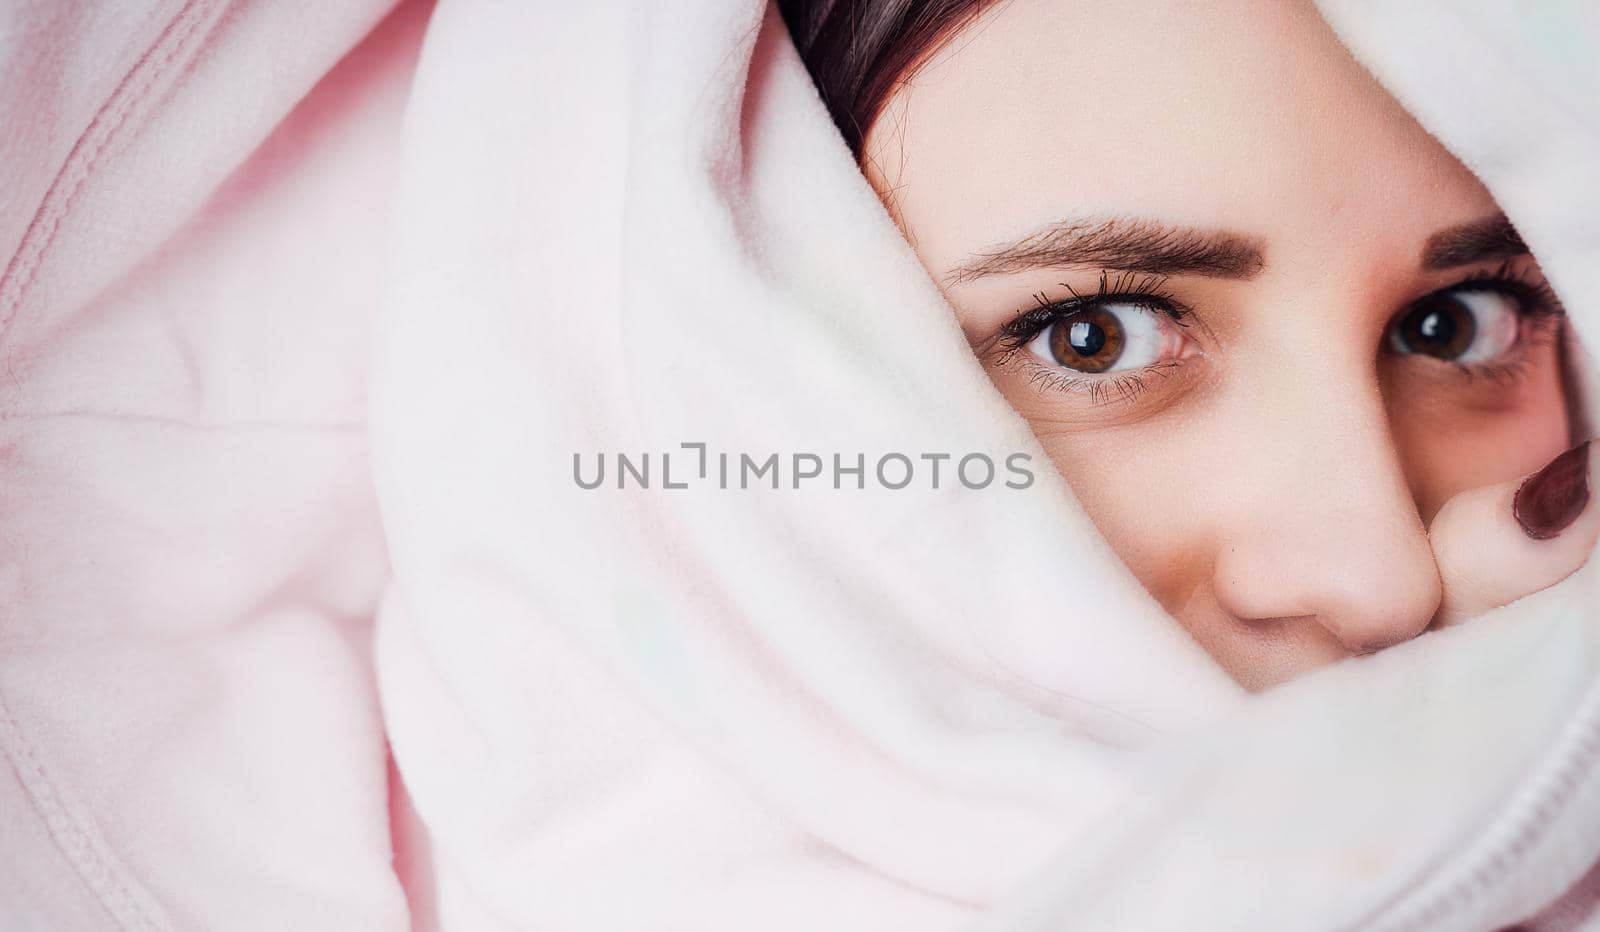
pixel 847 708
pixel 629 228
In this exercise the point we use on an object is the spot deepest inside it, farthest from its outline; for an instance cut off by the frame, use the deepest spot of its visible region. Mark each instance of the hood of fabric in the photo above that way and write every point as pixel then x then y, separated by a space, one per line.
pixel 892 703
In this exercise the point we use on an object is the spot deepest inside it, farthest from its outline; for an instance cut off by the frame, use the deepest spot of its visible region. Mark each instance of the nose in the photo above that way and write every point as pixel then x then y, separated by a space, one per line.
pixel 1322 526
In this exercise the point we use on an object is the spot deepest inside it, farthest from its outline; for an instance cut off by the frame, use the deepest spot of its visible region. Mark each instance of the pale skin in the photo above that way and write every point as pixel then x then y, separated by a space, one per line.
pixel 1294 475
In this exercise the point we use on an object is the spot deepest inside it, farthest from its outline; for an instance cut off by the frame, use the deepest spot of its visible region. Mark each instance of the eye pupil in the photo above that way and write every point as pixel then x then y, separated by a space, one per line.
pixel 1442 327
pixel 1437 329
pixel 1091 340
pixel 1086 338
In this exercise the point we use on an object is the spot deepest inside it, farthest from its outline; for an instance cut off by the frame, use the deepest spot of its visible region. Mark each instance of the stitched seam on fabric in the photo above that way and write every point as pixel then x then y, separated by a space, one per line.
pixel 1577 757
pixel 78 842
pixel 73 834
pixel 1580 762
pixel 102 130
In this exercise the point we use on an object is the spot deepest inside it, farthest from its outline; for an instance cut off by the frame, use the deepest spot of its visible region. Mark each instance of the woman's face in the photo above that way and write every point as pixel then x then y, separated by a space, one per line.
pixel 1262 322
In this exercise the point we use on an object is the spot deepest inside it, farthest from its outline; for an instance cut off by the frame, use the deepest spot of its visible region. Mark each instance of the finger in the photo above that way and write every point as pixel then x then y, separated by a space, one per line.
pixel 1499 543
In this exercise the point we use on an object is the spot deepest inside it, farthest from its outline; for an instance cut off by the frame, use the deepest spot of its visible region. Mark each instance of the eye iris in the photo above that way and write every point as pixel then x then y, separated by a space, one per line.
pixel 1442 327
pixel 1088 341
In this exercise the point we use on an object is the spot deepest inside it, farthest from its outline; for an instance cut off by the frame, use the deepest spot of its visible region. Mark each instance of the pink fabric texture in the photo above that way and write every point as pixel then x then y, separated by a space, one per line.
pixel 305 310
pixel 194 196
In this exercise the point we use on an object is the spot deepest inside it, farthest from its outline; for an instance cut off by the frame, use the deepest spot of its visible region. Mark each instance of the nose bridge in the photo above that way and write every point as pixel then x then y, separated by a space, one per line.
pixel 1325 526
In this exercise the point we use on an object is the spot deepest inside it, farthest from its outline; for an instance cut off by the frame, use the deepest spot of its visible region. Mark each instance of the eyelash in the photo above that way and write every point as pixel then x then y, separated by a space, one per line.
pixel 1534 295
pixel 1536 301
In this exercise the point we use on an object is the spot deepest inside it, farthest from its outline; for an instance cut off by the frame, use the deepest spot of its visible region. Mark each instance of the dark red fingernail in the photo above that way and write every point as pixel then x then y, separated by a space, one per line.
pixel 1552 498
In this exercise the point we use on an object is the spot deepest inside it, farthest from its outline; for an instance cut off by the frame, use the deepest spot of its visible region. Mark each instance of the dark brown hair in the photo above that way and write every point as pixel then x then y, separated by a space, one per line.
pixel 858 50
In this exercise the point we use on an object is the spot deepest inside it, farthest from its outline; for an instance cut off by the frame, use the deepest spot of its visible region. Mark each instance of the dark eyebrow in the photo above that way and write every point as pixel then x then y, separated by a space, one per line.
pixel 1116 243
pixel 1488 238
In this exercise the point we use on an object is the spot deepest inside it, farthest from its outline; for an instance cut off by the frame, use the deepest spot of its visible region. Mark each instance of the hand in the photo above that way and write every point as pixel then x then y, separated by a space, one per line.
pixel 1501 542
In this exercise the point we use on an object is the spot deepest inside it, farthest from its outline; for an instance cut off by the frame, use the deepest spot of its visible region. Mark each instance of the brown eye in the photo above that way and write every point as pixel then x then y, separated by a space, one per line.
pixel 1089 341
pixel 1440 325
pixel 1112 336
pixel 1460 325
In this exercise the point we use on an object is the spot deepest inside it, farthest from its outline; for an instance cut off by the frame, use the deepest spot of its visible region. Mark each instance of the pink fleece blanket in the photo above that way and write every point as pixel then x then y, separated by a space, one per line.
pixel 192 213
pixel 280 652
